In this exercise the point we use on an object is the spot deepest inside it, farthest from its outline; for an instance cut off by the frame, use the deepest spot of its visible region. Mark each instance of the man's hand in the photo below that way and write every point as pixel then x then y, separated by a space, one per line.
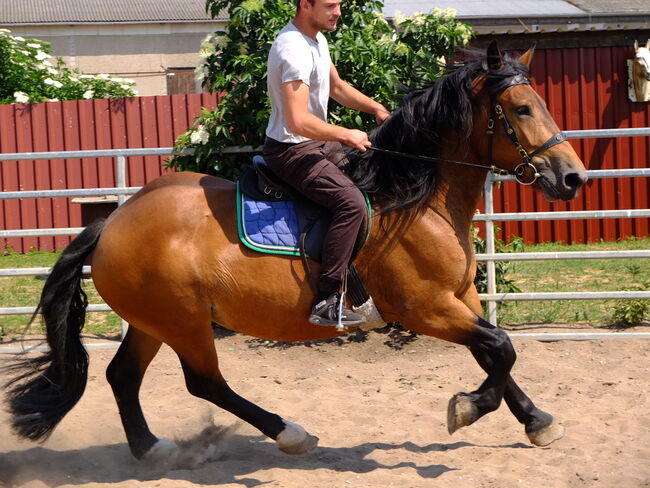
pixel 356 139
pixel 381 114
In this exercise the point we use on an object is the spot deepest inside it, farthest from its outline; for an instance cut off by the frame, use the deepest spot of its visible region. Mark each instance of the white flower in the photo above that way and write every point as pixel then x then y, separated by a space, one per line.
pixel 398 18
pixel 221 40
pixel 103 76
pixel 88 94
pixel 86 77
pixel 201 72
pixel 135 92
pixel 200 135
pixel 52 71
pixel 418 18
pixel 128 81
pixel 207 50
pixel 21 39
pixel 125 87
pixel 117 80
pixel 53 100
pixel 50 81
pixel 21 97
pixel 74 79
pixel 449 13
pixel 40 56
pixel 47 63
pixel 34 45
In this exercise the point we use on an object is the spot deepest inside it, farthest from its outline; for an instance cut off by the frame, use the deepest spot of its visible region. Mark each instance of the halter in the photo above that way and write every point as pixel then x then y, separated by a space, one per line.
pixel 496 111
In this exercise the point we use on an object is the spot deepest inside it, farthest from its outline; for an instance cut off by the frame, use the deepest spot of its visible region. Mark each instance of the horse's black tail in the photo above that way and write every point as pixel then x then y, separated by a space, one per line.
pixel 44 389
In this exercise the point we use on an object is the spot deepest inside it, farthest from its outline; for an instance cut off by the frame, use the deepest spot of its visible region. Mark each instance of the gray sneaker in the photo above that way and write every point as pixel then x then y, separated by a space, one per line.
pixel 326 312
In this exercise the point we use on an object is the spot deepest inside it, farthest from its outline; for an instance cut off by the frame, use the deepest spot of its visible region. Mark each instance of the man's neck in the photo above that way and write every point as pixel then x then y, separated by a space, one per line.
pixel 305 27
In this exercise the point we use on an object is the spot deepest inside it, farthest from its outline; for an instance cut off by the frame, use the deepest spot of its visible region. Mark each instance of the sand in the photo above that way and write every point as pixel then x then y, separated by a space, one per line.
pixel 379 409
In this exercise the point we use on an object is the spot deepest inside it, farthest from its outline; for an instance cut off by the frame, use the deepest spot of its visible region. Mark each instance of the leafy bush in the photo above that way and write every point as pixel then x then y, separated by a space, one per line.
pixel 29 73
pixel 374 56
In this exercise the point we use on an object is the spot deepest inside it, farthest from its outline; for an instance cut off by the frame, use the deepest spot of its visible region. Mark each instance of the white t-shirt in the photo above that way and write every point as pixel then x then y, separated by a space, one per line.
pixel 294 57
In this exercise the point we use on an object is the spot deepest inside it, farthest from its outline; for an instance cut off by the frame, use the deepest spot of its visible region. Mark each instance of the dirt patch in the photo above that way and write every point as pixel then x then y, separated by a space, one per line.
pixel 379 409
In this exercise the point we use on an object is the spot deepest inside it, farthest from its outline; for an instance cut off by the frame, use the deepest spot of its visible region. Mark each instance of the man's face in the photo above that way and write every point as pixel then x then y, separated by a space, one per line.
pixel 323 14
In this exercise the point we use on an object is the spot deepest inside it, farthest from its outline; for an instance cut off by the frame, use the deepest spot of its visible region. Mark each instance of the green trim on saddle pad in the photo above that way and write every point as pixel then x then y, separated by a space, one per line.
pixel 276 249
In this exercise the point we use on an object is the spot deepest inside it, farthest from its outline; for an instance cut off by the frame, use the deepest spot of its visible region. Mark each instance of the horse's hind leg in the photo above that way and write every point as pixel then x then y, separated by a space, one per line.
pixel 204 380
pixel 124 374
pixel 540 427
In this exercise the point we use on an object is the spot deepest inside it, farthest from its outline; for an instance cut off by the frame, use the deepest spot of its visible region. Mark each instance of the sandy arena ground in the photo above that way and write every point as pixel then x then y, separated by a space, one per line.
pixel 380 414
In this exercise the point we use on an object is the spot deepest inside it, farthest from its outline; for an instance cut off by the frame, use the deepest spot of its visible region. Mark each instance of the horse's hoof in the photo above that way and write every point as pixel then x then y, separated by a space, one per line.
pixel 546 435
pixel 162 452
pixel 295 440
pixel 461 412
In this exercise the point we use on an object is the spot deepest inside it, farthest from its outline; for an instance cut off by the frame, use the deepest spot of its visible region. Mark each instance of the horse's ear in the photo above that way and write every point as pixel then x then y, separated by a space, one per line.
pixel 494 58
pixel 636 44
pixel 647 44
pixel 527 57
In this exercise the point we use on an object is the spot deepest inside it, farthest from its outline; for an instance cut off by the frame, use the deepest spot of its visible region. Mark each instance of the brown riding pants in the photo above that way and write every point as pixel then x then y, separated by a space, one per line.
pixel 311 168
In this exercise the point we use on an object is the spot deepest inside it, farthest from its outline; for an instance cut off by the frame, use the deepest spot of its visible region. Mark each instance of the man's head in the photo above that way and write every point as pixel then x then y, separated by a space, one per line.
pixel 320 14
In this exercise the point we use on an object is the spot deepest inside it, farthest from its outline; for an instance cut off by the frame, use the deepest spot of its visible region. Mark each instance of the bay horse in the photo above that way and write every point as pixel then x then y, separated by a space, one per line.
pixel 169 261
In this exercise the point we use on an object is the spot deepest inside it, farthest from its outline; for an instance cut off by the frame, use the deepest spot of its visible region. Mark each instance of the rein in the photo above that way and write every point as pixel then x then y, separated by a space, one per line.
pixel 496 111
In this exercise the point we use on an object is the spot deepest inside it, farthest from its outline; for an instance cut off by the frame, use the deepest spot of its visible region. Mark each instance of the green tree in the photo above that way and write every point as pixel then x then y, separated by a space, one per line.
pixel 29 73
pixel 374 56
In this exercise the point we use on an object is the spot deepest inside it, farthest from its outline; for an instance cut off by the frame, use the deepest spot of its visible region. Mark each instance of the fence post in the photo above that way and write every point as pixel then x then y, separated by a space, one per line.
pixel 490 249
pixel 120 176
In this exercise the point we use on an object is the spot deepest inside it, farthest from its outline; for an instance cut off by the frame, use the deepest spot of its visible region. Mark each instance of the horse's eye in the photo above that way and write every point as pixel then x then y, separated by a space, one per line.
pixel 523 110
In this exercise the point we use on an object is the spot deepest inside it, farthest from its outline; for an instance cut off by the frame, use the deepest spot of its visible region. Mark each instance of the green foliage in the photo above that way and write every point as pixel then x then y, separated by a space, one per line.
pixel 628 313
pixel 373 56
pixel 29 73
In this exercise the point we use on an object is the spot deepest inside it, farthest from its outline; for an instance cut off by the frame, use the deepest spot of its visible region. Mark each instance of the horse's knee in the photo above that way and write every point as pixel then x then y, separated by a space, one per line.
pixel 496 345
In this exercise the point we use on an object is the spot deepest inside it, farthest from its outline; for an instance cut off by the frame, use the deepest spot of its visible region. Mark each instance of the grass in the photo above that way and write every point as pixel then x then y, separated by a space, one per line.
pixel 533 276
pixel 575 276
pixel 24 291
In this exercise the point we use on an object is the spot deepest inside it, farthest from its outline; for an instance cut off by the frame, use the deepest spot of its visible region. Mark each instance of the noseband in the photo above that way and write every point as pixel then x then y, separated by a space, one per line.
pixel 496 112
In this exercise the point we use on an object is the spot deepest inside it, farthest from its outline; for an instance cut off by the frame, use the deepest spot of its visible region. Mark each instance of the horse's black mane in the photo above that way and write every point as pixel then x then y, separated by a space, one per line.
pixel 424 116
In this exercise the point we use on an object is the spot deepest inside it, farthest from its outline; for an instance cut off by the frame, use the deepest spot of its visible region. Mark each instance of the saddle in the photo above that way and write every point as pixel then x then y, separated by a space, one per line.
pixel 274 218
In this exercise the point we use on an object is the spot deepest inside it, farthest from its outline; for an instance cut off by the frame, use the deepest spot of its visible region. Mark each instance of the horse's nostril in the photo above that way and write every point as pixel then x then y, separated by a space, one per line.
pixel 575 180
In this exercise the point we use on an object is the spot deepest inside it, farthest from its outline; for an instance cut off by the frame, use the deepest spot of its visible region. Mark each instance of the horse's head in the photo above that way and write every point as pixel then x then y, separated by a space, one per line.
pixel 642 60
pixel 522 137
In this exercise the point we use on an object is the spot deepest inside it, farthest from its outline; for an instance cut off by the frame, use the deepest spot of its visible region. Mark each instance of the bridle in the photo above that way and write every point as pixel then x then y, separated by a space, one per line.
pixel 496 112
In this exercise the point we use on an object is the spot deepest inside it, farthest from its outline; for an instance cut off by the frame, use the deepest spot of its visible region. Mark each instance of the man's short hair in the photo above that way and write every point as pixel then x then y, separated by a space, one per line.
pixel 298 3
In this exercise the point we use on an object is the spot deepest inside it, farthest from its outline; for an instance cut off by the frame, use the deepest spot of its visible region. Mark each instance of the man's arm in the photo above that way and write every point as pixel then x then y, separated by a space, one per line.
pixel 350 97
pixel 295 96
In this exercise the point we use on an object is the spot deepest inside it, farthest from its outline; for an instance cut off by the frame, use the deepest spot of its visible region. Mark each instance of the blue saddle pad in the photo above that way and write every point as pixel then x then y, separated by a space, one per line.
pixel 270 227
pixel 275 226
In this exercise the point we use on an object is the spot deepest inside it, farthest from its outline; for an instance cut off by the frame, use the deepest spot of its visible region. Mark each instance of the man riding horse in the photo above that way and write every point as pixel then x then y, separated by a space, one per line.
pixel 301 147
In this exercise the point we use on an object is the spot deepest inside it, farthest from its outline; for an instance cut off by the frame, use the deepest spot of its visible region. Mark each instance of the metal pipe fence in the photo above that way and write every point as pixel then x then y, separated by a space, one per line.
pixel 489 217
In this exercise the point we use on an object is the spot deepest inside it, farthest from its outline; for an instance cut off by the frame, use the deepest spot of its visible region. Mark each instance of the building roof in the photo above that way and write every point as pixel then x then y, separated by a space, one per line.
pixel 526 16
pixel 100 11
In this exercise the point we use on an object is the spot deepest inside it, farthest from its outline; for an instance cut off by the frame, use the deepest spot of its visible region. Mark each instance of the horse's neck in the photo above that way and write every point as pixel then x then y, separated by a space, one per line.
pixel 459 190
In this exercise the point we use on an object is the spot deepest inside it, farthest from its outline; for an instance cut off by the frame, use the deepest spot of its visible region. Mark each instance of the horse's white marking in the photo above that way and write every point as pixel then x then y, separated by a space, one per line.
pixel 371 314
pixel 639 73
pixel 163 453
pixel 295 440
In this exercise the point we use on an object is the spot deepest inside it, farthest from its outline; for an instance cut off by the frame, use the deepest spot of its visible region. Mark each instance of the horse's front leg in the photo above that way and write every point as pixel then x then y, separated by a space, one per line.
pixel 540 426
pixel 494 345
